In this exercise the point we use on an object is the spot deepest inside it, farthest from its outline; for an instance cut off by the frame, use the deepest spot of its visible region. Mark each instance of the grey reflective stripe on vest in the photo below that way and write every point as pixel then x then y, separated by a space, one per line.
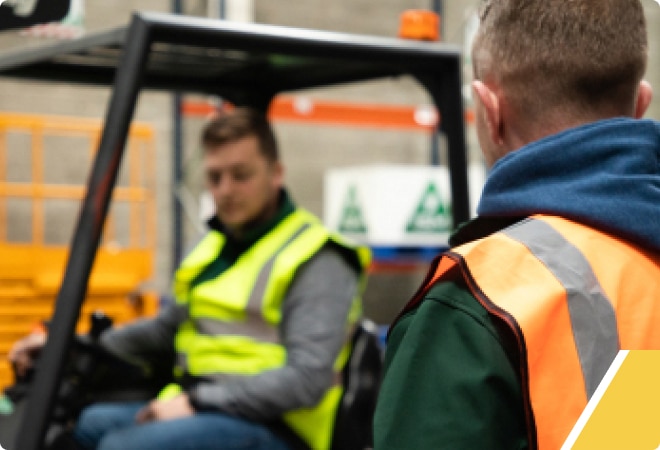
pixel 254 326
pixel 593 319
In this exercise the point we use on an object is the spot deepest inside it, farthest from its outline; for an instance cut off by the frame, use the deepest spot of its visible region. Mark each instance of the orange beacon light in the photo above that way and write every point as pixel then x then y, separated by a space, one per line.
pixel 419 24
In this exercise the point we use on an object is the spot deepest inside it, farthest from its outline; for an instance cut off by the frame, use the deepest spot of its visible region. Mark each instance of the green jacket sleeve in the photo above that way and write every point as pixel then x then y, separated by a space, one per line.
pixel 449 383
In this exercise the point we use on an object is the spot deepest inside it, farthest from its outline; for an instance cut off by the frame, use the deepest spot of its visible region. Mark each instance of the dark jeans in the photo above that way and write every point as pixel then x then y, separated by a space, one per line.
pixel 111 426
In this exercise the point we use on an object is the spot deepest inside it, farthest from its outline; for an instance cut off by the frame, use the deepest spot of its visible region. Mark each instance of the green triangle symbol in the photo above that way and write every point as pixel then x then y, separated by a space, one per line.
pixel 351 215
pixel 431 214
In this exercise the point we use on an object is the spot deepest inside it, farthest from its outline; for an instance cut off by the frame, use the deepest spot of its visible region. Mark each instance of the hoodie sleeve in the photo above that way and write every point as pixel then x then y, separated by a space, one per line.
pixel 449 383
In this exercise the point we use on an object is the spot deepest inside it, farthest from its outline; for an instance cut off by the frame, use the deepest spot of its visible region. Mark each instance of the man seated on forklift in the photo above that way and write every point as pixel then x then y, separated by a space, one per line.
pixel 260 326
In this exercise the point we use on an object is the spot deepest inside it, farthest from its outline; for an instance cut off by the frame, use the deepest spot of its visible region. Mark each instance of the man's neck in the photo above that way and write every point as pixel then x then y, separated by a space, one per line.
pixel 266 215
pixel 270 217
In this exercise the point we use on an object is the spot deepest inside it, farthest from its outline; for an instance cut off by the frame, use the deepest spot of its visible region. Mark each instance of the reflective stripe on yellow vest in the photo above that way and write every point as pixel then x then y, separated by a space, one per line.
pixel 233 319
pixel 572 297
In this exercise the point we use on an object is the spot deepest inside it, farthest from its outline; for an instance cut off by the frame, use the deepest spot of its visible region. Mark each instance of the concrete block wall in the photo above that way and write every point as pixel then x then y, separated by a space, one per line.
pixel 307 151
pixel 652 10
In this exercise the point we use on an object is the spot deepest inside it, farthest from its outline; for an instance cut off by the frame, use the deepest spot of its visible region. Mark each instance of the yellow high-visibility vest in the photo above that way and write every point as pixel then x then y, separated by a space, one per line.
pixel 233 320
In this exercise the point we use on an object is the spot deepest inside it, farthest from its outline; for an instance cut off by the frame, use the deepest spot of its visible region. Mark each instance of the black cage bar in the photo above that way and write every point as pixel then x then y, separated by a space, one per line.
pixel 247 64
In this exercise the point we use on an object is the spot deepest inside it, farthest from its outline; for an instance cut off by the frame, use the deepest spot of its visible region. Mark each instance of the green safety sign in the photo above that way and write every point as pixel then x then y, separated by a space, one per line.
pixel 431 214
pixel 351 220
pixel 6 405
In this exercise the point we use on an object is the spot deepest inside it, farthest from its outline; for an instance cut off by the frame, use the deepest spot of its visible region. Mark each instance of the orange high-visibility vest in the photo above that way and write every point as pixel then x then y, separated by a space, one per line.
pixel 572 297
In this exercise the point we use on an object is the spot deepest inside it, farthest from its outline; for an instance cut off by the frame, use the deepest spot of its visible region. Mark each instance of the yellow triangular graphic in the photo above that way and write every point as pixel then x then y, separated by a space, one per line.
pixel 623 412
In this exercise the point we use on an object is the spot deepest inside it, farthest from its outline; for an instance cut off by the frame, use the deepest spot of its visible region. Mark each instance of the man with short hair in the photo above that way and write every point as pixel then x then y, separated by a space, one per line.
pixel 515 326
pixel 264 307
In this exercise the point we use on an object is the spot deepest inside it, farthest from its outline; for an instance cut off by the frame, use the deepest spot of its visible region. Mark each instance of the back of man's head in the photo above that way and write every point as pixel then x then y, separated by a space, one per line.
pixel 576 59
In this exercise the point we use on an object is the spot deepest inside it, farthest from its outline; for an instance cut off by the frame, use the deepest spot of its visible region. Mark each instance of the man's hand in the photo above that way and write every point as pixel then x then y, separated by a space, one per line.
pixel 174 408
pixel 24 352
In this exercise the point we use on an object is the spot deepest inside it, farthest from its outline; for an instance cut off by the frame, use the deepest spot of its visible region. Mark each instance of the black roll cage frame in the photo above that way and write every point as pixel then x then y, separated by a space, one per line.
pixel 247 64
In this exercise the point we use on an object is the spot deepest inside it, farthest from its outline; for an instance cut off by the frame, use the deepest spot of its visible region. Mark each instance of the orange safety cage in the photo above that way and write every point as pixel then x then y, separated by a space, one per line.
pixel 34 248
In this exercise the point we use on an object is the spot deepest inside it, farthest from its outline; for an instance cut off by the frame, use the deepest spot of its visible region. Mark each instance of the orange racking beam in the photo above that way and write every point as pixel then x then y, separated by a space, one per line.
pixel 302 109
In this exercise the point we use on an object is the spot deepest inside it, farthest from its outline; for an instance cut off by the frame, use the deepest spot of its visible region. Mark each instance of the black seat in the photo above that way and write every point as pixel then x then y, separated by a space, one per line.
pixel 361 378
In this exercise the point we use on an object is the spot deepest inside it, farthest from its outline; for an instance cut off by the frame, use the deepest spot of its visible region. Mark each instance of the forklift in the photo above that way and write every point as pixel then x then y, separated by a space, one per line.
pixel 246 65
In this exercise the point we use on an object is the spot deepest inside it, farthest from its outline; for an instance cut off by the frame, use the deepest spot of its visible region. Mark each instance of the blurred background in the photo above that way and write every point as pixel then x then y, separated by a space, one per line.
pixel 49 132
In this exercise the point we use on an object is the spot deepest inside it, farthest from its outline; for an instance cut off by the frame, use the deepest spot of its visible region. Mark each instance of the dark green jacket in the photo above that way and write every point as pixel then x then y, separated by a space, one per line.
pixel 449 380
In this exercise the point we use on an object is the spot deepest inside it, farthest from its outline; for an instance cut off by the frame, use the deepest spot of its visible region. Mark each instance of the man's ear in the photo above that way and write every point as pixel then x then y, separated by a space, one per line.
pixel 277 171
pixel 644 96
pixel 491 109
